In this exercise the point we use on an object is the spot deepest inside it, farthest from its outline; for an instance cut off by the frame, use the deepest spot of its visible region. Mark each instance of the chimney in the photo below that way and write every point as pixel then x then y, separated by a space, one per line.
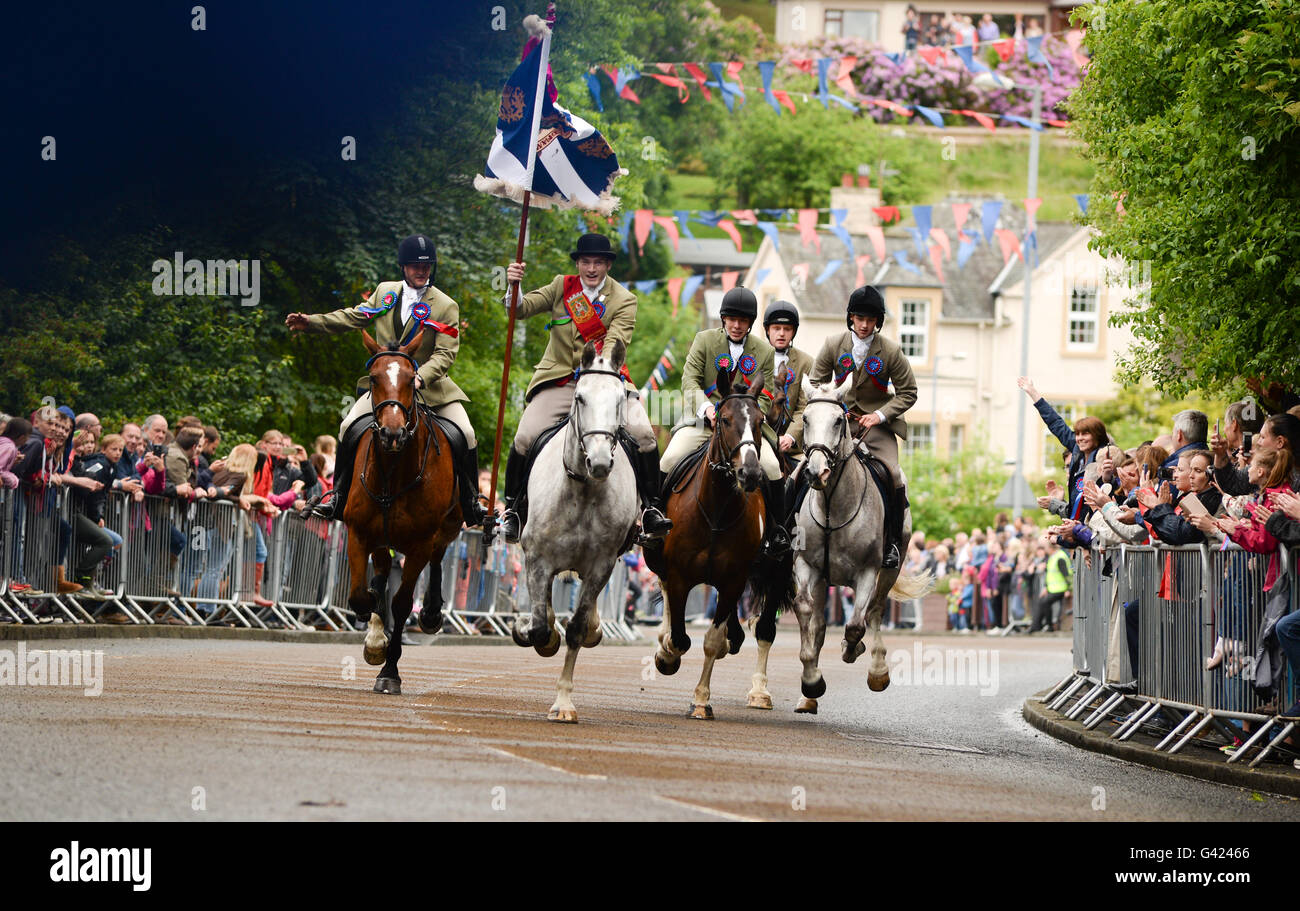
pixel 858 200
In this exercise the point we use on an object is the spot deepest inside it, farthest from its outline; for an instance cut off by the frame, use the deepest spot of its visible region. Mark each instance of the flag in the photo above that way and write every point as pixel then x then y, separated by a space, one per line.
pixel 831 268
pixel 1082 200
pixel 760 275
pixel 669 226
pixel 967 55
pixel 1034 54
pixel 808 228
pixel 593 86
pixel 989 218
pixel 728 227
pixel 542 147
pixel 771 231
pixel 692 285
pixel 683 220
pixel 930 114
pixel 675 292
pixel 729 279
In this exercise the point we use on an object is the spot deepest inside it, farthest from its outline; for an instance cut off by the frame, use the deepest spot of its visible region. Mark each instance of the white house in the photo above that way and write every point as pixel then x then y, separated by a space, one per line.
pixel 962 332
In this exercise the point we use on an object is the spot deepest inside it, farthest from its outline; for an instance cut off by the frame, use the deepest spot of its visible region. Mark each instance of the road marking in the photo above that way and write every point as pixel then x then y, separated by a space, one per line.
pixel 553 768
pixel 888 741
pixel 734 817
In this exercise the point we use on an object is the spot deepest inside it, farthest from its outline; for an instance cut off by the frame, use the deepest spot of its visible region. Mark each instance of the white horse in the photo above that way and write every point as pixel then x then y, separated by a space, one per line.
pixel 841 522
pixel 582 507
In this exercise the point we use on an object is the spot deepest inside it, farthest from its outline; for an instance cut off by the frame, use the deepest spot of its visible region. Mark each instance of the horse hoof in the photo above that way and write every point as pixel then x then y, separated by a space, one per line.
pixel 667 666
pixel 878 682
pixel 519 639
pixel 702 712
pixel 763 701
pixel 681 643
pixel 563 716
pixel 376 655
pixel 390 686
pixel 806 706
pixel 850 653
pixel 430 621
pixel 815 689
pixel 551 647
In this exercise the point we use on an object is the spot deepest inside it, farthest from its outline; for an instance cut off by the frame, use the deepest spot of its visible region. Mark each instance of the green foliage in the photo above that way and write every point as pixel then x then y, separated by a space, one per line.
pixel 1190 113
pixel 954 493
pixel 1140 412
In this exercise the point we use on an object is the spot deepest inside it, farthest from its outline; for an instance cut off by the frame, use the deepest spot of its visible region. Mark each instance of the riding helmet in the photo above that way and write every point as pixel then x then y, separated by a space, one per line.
pixel 739 302
pixel 783 313
pixel 418 248
pixel 866 301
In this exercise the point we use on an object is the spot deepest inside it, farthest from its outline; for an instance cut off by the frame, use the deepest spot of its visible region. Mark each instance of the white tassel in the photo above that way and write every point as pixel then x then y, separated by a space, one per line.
pixel 535 26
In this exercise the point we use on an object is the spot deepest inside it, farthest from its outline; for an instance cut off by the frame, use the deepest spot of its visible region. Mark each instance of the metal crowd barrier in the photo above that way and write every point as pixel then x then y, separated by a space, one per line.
pixel 1200 612
pixel 195 563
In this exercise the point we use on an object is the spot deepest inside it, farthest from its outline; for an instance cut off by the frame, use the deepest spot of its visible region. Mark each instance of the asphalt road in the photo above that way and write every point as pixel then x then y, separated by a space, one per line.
pixel 205 729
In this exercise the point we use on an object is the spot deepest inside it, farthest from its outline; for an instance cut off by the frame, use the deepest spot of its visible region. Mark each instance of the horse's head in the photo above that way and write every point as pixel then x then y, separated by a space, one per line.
pixel 737 430
pixel 826 434
pixel 778 416
pixel 392 389
pixel 598 402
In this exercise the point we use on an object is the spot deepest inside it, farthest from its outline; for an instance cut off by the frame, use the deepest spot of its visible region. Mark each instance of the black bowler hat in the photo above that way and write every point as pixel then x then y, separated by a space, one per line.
pixel 593 245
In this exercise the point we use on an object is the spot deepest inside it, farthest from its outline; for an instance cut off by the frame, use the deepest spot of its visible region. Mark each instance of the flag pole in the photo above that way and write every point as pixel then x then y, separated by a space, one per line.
pixel 490 520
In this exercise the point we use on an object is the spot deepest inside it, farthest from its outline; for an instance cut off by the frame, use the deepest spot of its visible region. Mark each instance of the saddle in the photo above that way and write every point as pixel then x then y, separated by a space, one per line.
pixel 684 468
pixel 878 471
pixel 362 425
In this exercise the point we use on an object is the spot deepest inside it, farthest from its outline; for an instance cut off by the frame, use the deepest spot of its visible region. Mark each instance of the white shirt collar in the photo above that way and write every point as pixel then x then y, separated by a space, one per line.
pixel 737 348
pixel 593 293
pixel 410 296
pixel 860 347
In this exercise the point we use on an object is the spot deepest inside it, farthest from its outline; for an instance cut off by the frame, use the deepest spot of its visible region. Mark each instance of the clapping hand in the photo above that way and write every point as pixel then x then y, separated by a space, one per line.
pixel 1289 503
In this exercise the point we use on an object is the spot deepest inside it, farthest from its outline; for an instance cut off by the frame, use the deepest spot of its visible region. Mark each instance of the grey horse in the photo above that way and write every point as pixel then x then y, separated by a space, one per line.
pixel 843 505
pixel 582 509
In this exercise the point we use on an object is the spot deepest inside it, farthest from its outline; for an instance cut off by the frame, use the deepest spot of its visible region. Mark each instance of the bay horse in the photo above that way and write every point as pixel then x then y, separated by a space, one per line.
pixel 717 513
pixel 841 527
pixel 583 507
pixel 404 499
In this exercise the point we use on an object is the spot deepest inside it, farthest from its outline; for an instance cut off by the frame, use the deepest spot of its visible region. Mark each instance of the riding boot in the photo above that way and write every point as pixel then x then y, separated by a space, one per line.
pixel 654 524
pixel 512 521
pixel 330 504
pixel 471 509
pixel 894 530
pixel 776 541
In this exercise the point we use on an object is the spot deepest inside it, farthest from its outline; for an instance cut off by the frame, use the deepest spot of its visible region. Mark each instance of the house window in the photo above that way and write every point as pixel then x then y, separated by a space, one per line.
pixel 915 332
pixel 918 439
pixel 853 23
pixel 1083 316
pixel 956 437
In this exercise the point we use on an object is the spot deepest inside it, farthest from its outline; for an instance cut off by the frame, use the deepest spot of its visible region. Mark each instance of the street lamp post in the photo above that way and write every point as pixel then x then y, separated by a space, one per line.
pixel 1019 483
pixel 934 408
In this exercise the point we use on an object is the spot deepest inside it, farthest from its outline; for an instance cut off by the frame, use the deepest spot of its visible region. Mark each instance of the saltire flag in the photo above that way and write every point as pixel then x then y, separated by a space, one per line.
pixel 542 147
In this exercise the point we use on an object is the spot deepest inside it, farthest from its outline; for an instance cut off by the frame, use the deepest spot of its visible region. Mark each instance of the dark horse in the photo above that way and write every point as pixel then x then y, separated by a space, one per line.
pixel 717 511
pixel 407 473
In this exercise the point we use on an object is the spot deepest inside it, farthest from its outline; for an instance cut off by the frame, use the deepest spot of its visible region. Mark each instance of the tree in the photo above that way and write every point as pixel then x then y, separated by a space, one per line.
pixel 1190 111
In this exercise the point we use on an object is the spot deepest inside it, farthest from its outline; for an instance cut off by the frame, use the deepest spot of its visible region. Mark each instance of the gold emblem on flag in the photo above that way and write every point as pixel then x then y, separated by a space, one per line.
pixel 512 104
pixel 596 147
pixel 581 307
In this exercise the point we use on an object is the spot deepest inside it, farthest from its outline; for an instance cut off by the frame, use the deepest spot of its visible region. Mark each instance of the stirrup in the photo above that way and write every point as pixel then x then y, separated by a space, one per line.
pixel 510 529
pixel 321 506
pixel 654 524
pixel 891 559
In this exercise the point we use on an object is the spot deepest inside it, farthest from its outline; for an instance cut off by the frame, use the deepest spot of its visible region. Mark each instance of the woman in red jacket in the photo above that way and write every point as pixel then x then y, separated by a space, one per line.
pixel 1270 471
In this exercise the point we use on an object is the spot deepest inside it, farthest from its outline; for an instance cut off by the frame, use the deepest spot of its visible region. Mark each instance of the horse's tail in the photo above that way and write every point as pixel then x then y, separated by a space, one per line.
pixel 773 586
pixel 910 586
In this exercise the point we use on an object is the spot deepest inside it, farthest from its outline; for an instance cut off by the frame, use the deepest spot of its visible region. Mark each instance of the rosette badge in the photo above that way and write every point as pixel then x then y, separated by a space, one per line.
pixel 845 364
pixel 874 365
pixel 748 365
pixel 789 378
pixel 420 311
pixel 724 362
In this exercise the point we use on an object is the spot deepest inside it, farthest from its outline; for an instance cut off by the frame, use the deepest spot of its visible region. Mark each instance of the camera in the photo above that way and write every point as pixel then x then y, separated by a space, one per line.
pixel 157 449
pixel 1246 440
pixel 1166 473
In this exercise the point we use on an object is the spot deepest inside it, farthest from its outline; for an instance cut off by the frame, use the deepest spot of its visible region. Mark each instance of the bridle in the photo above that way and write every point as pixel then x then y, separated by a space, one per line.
pixel 725 466
pixel 576 424
pixel 836 461
pixel 832 455
pixel 410 415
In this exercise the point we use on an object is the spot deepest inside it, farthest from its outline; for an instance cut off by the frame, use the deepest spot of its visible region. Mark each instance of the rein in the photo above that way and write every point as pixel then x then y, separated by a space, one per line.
pixel 837 463
pixel 722 466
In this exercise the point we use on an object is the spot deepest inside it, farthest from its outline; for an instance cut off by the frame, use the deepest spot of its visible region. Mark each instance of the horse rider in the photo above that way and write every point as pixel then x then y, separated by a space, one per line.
pixel 875 363
pixel 791 365
pixel 745 357
pixel 394 313
pixel 588 306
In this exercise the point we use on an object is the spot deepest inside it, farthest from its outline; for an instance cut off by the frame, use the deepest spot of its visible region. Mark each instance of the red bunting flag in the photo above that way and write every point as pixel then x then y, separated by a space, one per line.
pixel 940 237
pixel 729 280
pixel 669 225
pixel 1005 48
pixel 729 228
pixel 808 228
pixel 1119 203
pixel 862 261
pixel 644 221
pixel 784 98
pixel 936 259
pixel 744 215
pixel 845 78
pixel 1057 123
pixel 682 92
pixel 933 54
pixel 959 212
pixel 983 120
pixel 877 235
pixel 1009 243
pixel 804 66
pixel 675 292
pixel 800 271
pixel 887 214
pixel 733 70
pixel 612 73
pixel 1031 209
pixel 891 106
pixel 703 80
